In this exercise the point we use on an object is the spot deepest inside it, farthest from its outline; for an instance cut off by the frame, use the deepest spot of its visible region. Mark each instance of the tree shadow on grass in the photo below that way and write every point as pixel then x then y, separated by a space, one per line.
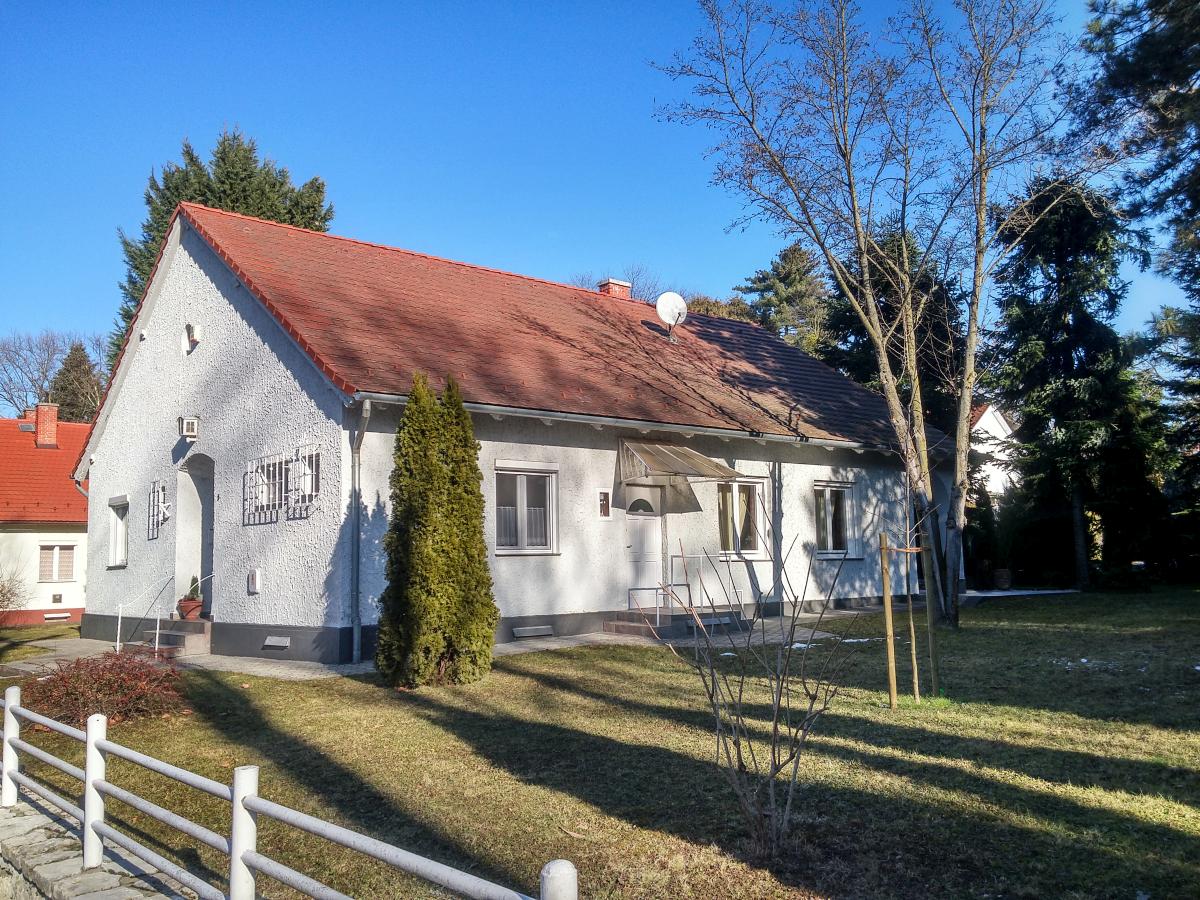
pixel 361 805
pixel 915 847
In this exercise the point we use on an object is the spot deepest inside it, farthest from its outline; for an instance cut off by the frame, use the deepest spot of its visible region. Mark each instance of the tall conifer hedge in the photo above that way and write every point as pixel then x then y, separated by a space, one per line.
pixel 438 616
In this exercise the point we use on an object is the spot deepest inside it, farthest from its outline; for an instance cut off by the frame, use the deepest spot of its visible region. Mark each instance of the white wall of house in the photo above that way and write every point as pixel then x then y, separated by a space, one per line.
pixel 990 433
pixel 21 550
pixel 588 570
pixel 256 393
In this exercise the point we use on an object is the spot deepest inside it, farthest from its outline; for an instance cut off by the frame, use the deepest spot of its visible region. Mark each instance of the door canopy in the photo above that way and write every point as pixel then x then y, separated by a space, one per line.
pixel 656 462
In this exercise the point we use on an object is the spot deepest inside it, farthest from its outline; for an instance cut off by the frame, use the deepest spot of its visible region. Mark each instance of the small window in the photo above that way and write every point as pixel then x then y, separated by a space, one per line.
pixel 604 504
pixel 642 507
pixel 118 532
pixel 56 563
pixel 833 516
pixel 739 515
pixel 525 512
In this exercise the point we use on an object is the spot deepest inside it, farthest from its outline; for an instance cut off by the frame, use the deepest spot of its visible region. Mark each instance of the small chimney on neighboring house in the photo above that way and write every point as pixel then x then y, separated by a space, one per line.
pixel 46 417
pixel 614 288
pixel 27 416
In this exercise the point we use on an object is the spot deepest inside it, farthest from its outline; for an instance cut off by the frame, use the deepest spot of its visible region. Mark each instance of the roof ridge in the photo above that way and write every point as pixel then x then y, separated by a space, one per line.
pixel 188 206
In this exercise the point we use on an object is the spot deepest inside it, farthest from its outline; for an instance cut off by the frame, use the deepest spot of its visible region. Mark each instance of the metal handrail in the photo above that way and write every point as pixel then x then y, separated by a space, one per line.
pixel 559 879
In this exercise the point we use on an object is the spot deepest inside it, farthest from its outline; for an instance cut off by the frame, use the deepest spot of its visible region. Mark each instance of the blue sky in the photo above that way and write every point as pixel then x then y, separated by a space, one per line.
pixel 520 136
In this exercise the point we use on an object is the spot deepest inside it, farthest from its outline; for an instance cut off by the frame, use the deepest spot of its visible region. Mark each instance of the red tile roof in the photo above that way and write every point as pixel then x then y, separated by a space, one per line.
pixel 369 316
pixel 35 483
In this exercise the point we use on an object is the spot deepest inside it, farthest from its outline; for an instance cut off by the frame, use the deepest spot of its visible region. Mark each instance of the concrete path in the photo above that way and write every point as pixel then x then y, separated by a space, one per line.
pixel 40 856
pixel 59 650
pixel 281 669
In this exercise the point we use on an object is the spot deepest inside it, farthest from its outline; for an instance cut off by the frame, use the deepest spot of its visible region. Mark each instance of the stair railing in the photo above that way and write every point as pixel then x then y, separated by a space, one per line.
pixel 153 605
pixel 158 615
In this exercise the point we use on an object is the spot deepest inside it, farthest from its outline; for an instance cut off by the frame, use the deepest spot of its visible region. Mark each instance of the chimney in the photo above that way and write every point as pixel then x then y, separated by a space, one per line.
pixel 46 416
pixel 27 416
pixel 614 288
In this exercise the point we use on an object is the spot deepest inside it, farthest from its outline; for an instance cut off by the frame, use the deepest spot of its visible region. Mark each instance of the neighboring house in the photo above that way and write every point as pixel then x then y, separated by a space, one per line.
pixel 247 439
pixel 990 429
pixel 43 516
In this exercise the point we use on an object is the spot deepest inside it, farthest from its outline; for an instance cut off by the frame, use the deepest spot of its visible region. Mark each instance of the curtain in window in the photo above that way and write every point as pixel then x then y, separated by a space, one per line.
pixel 725 516
pixel 46 564
pixel 537 511
pixel 66 563
pixel 506 511
pixel 747 504
pixel 838 502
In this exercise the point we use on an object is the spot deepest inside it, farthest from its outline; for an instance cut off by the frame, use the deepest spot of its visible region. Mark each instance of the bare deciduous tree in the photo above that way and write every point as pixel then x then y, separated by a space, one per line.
pixel 646 284
pixel 29 362
pixel 847 141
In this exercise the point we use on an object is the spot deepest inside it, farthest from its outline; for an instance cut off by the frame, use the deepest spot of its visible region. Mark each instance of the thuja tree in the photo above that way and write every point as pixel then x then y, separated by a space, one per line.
pixel 438 615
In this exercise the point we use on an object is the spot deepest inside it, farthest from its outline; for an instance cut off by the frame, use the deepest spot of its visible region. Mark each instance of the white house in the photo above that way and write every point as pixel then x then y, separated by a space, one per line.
pixel 43 517
pixel 247 439
pixel 990 430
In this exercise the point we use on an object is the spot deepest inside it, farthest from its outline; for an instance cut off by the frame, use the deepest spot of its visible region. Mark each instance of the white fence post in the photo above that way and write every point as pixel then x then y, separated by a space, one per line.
pixel 243 835
pixel 560 880
pixel 93 800
pixel 12 731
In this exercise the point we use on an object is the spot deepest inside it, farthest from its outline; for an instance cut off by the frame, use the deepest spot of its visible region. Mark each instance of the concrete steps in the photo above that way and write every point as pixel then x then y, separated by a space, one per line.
pixel 177 637
pixel 674 622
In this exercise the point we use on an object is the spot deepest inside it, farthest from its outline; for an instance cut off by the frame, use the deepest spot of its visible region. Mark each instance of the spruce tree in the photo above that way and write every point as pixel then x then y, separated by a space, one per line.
pixel 790 298
pixel 417 604
pixel 475 615
pixel 76 387
pixel 235 180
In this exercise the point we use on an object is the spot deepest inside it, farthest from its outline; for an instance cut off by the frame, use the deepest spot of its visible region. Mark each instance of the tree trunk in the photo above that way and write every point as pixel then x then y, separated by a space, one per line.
pixel 1079 529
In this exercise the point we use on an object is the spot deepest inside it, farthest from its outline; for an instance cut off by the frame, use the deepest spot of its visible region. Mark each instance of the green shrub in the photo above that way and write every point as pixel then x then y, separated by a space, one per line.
pixel 438 616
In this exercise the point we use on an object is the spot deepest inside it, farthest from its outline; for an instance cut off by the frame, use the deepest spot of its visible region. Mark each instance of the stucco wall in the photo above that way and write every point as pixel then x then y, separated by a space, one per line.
pixel 256 393
pixel 19 549
pixel 590 572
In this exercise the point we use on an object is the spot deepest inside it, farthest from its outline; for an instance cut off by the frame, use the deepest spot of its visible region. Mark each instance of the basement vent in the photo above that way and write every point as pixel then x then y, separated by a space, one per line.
pixel 534 631
pixel 274 642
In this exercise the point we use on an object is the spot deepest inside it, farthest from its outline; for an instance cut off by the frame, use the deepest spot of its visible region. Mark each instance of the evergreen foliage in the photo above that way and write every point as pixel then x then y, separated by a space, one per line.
pixel 1089 441
pixel 438 616
pixel 790 298
pixel 76 387
pixel 235 180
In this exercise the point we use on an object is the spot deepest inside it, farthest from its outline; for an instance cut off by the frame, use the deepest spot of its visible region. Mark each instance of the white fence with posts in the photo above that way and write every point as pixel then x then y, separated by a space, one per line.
pixel 559 879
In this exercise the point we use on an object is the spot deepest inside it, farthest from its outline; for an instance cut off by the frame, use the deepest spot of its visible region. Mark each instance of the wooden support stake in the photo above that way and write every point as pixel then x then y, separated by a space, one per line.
pixel 890 637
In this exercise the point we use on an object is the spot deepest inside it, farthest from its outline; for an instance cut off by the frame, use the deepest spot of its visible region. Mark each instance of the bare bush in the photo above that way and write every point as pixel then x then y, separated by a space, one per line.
pixel 766 691
pixel 14 588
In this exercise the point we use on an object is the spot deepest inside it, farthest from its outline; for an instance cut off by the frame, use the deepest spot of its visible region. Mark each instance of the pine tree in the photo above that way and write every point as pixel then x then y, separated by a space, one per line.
pixel 790 298
pixel 235 180
pixel 76 387
pixel 417 604
pixel 475 615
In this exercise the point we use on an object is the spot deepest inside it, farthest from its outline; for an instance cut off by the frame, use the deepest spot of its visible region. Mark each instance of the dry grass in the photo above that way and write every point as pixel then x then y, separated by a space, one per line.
pixel 1037 774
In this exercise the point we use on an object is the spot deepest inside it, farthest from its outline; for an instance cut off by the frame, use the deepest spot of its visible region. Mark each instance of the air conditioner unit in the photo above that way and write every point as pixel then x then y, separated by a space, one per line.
pixel 189 428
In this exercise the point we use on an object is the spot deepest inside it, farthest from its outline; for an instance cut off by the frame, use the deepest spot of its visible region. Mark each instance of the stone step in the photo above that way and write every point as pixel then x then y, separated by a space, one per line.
pixel 186 643
pixel 640 629
pixel 165 651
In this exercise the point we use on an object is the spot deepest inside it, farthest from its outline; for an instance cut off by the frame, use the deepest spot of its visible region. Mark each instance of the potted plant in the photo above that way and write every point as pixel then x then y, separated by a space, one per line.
pixel 191 602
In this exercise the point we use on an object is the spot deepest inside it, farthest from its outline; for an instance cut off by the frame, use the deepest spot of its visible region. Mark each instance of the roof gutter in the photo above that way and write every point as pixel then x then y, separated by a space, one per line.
pixel 585 419
pixel 79 487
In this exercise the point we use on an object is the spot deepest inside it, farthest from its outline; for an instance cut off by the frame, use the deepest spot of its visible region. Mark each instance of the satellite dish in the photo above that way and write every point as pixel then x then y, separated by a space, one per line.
pixel 672 309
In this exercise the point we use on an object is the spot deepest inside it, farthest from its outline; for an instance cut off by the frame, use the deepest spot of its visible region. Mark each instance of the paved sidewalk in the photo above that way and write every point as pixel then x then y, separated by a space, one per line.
pixel 60 650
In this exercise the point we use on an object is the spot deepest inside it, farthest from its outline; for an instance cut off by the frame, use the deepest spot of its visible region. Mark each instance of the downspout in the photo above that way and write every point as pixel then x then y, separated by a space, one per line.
pixel 364 417
pixel 79 487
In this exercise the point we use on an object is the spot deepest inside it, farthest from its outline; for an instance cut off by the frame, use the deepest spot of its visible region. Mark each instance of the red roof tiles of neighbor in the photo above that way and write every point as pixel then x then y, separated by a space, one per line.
pixel 35 482
pixel 370 316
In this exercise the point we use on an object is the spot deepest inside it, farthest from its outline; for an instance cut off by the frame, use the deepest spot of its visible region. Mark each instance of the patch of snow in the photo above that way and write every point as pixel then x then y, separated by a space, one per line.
pixel 729 654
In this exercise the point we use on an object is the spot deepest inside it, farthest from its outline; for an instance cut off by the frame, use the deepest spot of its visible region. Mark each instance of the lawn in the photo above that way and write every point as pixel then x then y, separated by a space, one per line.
pixel 1063 761
pixel 15 643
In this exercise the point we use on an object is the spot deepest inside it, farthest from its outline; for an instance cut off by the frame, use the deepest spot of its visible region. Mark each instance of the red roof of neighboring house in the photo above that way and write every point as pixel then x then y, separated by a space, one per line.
pixel 370 316
pixel 35 482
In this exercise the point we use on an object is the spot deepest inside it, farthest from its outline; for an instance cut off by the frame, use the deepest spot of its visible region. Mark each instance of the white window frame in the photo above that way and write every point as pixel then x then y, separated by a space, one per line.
pixel 522 470
pixel 760 518
pixel 118 532
pixel 56 564
pixel 853 536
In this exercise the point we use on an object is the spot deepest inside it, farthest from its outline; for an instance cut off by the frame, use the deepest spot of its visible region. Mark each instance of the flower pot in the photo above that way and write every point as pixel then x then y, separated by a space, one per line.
pixel 1002 578
pixel 189 607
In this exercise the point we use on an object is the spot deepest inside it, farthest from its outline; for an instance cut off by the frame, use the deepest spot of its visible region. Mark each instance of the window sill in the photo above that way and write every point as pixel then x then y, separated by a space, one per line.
pixel 117 565
pixel 516 551
pixel 733 555
pixel 61 581
pixel 839 555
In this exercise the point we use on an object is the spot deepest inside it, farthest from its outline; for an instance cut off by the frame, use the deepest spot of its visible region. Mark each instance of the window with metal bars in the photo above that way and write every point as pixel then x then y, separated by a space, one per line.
pixel 286 484
pixel 157 510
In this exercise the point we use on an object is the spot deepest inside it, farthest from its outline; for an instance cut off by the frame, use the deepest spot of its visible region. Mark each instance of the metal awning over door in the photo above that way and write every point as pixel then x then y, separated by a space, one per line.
pixel 658 460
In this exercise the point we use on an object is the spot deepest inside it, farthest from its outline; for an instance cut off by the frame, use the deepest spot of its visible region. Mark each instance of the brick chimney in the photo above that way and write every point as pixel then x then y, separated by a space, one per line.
pixel 46 432
pixel 27 416
pixel 614 288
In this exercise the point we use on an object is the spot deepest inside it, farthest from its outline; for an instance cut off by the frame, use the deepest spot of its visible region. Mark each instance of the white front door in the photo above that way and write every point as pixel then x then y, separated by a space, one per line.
pixel 643 543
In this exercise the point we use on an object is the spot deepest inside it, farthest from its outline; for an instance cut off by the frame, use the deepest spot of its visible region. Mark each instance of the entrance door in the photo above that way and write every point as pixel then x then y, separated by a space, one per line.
pixel 643 542
pixel 194 528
